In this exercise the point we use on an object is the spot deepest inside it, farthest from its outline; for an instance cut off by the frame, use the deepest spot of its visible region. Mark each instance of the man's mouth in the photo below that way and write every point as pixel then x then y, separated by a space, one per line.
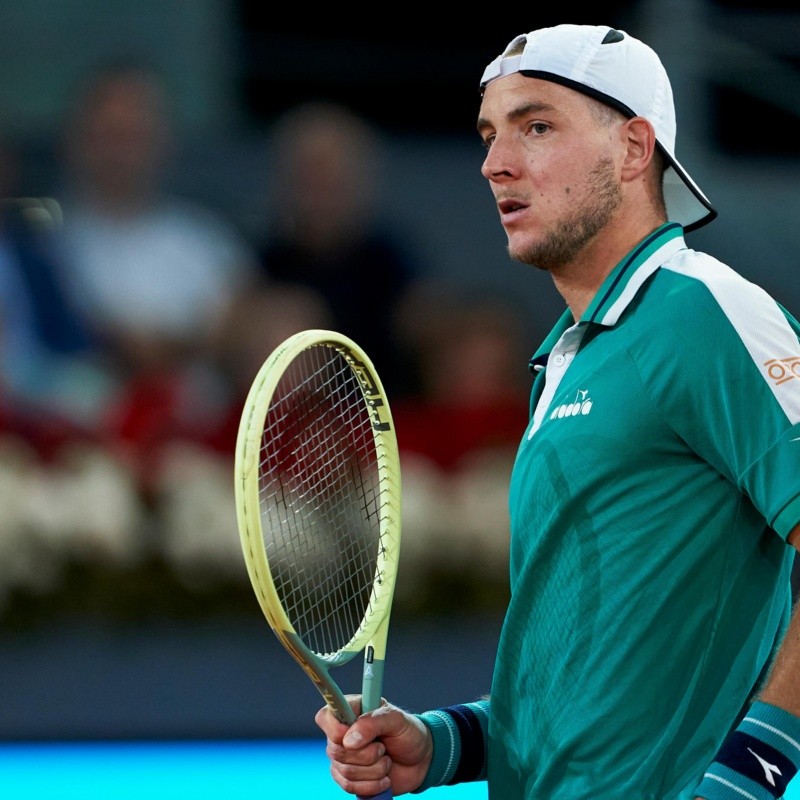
pixel 510 206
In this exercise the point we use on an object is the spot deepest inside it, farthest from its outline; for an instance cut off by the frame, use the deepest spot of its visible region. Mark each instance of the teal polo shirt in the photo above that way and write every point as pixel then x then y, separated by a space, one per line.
pixel 650 500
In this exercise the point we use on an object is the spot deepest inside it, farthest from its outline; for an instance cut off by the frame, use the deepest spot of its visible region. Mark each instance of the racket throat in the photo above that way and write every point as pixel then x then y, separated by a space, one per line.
pixel 318 673
pixel 372 681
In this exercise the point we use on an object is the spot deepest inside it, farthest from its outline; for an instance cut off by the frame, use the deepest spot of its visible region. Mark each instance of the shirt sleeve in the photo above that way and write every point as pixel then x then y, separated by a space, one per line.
pixel 731 390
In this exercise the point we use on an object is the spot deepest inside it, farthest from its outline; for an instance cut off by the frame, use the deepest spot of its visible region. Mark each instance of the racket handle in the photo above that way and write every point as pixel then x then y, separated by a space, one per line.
pixel 386 794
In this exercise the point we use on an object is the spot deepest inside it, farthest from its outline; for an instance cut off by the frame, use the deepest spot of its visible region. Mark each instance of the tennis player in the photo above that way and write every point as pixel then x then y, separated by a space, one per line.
pixel 648 650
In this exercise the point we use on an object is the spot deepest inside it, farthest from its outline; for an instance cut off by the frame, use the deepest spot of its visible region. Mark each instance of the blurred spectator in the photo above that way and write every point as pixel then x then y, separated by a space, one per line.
pixel 256 323
pixel 155 272
pixel 195 498
pixel 51 376
pixel 63 495
pixel 459 434
pixel 325 229
pixel 471 360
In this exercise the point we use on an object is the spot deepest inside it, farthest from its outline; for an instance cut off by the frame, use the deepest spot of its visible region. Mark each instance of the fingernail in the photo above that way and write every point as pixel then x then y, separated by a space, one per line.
pixel 353 739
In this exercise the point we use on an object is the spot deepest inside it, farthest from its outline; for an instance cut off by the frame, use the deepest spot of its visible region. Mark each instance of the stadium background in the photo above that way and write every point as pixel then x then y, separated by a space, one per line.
pixel 80 663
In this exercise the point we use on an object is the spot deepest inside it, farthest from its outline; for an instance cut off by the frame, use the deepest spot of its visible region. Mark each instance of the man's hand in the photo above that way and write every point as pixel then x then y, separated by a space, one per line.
pixel 387 747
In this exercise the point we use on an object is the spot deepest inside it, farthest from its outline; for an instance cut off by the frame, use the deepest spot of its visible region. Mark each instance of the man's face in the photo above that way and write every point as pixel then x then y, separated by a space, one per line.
pixel 553 166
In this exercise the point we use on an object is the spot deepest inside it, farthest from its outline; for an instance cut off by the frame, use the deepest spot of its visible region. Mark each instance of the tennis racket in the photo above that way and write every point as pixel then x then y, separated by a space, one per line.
pixel 317 478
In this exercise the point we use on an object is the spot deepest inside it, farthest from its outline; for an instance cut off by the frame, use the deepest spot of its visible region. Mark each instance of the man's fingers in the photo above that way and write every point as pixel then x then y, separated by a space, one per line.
pixel 370 754
pixel 383 722
pixel 329 724
pixel 363 781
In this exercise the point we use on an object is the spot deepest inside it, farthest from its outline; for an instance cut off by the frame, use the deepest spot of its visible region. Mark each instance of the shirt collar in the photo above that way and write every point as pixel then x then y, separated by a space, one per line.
pixel 625 280
pixel 539 360
pixel 619 288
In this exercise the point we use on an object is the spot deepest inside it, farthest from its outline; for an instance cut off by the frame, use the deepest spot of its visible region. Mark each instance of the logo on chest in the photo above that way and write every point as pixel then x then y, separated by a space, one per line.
pixel 580 406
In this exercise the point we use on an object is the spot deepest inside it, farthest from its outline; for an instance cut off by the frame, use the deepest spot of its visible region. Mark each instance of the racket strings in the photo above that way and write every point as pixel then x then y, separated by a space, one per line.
pixel 320 497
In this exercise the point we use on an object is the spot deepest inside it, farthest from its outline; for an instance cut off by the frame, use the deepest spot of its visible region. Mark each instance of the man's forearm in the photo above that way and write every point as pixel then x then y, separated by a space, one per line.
pixel 782 687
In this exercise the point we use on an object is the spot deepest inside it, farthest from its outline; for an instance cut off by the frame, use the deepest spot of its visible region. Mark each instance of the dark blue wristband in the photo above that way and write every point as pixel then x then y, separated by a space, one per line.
pixel 757 760
pixel 459 744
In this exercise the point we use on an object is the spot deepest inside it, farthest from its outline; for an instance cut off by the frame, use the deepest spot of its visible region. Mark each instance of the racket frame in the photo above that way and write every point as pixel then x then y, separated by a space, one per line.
pixel 371 635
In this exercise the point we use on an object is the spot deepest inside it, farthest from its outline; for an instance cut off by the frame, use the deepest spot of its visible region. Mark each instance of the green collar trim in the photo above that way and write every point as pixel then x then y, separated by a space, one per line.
pixel 620 287
pixel 605 308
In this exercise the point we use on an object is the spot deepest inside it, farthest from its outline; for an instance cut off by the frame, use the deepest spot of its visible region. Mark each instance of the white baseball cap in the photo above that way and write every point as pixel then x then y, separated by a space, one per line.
pixel 622 72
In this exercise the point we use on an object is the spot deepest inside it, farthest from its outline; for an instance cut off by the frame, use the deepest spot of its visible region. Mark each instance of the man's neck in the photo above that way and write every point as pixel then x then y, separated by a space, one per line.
pixel 579 280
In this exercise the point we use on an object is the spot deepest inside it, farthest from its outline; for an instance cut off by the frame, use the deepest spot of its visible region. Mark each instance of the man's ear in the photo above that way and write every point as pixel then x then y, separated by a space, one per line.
pixel 640 140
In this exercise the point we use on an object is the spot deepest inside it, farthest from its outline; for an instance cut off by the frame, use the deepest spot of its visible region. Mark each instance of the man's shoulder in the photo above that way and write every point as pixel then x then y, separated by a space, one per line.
pixel 698 299
pixel 691 280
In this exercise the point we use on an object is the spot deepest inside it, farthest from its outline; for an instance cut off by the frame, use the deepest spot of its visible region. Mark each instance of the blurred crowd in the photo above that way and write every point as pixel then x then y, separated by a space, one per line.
pixel 134 320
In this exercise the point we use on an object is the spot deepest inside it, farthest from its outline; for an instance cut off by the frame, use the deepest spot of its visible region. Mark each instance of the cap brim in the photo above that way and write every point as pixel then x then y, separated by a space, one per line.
pixel 686 203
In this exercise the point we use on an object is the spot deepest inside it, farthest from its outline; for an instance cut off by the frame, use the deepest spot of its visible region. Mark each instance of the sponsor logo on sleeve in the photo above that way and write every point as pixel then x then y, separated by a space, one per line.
pixel 780 370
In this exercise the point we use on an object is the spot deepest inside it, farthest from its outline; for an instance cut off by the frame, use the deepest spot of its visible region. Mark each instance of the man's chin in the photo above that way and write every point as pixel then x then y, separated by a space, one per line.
pixel 525 256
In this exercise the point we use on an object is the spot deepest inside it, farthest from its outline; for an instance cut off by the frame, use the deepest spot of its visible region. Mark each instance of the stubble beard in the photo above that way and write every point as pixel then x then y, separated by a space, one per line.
pixel 567 237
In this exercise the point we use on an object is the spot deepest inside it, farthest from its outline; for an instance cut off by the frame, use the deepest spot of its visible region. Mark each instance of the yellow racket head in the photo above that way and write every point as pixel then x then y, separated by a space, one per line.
pixel 318 499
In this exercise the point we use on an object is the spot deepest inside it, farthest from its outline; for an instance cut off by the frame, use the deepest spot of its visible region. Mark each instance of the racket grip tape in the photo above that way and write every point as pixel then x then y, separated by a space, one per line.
pixel 370 700
pixel 386 794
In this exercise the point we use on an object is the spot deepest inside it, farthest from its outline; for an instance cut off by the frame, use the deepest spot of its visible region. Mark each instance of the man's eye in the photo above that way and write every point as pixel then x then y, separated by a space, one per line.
pixel 487 142
pixel 538 128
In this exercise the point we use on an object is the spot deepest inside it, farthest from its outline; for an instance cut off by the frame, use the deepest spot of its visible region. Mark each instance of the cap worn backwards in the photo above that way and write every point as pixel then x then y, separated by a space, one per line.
pixel 622 72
